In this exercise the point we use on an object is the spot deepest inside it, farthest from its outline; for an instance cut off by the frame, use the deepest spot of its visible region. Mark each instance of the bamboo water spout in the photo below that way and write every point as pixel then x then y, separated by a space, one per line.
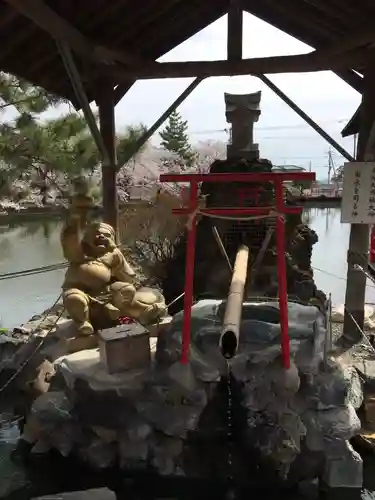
pixel 229 338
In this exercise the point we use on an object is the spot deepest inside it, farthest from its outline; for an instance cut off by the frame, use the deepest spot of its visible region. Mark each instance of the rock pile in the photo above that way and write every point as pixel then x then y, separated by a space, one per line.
pixel 138 417
pixel 158 418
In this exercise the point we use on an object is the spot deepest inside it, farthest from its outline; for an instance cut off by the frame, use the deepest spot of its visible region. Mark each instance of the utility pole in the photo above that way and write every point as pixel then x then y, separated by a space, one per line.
pixel 330 166
pixel 355 140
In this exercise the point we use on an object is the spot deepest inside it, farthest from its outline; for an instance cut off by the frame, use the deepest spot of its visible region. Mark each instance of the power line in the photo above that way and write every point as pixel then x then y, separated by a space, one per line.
pixel 289 137
pixel 32 272
pixel 292 157
pixel 274 127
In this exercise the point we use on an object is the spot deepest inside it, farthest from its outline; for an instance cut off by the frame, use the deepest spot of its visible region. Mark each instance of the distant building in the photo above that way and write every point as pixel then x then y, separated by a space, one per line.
pixel 325 189
pixel 288 168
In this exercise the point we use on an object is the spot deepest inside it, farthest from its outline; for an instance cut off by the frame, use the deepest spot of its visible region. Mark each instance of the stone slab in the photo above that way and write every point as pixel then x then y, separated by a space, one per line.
pixel 344 472
pixel 86 365
pixel 161 326
pixel 93 494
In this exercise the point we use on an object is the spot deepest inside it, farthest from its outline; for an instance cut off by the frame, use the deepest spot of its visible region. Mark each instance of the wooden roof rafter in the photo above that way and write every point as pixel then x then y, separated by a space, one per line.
pixel 302 21
pixel 7 17
pixel 96 56
pixel 125 65
pixel 328 11
pixel 47 19
pixel 141 32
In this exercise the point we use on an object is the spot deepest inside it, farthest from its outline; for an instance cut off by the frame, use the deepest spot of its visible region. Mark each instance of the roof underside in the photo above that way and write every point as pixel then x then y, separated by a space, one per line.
pixel 150 28
pixel 146 28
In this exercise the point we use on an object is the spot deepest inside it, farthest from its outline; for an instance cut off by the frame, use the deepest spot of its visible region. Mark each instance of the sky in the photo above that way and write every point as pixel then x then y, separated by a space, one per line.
pixel 282 135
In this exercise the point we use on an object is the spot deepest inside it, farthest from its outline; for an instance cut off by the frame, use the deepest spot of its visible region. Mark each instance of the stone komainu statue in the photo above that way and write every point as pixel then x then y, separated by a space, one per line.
pixel 99 282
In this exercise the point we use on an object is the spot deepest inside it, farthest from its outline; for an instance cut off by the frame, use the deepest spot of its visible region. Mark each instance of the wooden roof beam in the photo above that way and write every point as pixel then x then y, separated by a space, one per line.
pixel 235 31
pixel 47 19
pixel 302 63
pixel 351 78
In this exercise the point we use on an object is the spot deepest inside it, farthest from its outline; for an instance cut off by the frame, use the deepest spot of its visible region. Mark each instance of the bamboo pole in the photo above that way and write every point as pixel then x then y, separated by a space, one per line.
pixel 229 339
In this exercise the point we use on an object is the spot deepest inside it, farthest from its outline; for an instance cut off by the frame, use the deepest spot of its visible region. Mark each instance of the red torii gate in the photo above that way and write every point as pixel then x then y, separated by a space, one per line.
pixel 278 210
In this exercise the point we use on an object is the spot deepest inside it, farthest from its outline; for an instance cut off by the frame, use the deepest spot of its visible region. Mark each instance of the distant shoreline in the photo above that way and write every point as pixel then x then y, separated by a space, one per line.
pixel 36 212
pixel 60 211
pixel 319 202
pixel 48 210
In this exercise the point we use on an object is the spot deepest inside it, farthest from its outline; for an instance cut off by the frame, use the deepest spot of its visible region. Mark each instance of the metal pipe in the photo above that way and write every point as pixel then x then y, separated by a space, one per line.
pixel 330 321
pixel 229 338
pixel 328 334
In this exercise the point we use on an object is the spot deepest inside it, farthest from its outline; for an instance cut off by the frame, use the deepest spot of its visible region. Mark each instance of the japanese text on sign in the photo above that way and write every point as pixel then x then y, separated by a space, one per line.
pixel 358 194
pixel 357 187
pixel 371 199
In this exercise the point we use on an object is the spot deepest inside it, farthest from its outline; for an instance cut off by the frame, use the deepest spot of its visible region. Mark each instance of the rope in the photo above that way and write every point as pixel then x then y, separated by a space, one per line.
pixel 31 272
pixel 261 255
pixel 360 329
pixel 335 275
pixel 175 300
pixel 37 348
pixel 198 211
pixel 221 246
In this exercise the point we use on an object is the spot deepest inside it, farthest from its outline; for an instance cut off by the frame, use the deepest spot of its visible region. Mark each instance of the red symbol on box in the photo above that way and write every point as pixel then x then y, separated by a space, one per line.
pixel 125 320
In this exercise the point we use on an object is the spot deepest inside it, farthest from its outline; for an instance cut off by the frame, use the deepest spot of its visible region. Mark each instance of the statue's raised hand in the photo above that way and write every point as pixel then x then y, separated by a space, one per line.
pixel 80 205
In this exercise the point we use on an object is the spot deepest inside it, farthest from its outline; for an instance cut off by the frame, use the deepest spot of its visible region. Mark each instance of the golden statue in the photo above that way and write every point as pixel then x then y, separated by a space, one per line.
pixel 99 282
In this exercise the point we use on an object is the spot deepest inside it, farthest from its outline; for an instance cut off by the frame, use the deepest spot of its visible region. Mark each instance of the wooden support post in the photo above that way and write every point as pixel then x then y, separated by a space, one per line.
pixel 306 117
pixel 235 31
pixel 359 233
pixel 106 105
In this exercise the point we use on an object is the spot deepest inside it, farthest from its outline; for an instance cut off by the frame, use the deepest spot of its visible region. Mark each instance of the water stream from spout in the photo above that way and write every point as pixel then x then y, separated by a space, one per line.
pixel 230 492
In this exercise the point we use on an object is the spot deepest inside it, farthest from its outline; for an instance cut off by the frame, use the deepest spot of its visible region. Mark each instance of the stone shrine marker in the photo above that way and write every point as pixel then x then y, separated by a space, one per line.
pixel 358 195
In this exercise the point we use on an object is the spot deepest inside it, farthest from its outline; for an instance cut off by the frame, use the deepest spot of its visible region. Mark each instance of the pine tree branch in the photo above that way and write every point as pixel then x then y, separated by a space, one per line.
pixel 19 101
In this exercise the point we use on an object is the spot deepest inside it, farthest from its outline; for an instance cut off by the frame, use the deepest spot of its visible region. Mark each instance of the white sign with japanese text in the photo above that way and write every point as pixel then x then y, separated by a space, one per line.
pixel 358 193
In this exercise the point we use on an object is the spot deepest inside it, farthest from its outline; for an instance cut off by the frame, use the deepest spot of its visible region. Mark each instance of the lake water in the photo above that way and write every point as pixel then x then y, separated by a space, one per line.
pixel 28 245
pixel 31 244
pixel 35 243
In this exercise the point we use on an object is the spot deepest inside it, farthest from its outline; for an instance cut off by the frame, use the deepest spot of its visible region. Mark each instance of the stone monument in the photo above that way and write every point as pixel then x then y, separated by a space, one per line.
pixel 242 111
